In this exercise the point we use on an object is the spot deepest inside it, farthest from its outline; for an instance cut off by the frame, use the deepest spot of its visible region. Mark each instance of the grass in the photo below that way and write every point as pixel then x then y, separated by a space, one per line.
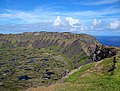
pixel 17 60
pixel 92 77
pixel 73 77
pixel 68 60
pixel 89 78
pixel 95 80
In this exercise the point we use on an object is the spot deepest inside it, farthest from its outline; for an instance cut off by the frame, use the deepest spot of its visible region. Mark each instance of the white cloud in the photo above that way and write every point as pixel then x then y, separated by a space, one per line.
pixel 83 28
pixel 96 22
pixel 98 25
pixel 23 17
pixel 101 2
pixel 78 27
pixel 57 21
pixel 26 27
pixel 114 24
pixel 41 15
pixel 71 21
pixel 67 22
pixel 89 14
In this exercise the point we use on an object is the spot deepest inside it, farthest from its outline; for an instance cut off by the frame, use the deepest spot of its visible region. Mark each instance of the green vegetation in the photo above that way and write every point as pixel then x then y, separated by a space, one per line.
pixel 42 59
pixel 94 77
pixel 68 44
pixel 43 67
pixel 72 77
pixel 69 61
pixel 97 76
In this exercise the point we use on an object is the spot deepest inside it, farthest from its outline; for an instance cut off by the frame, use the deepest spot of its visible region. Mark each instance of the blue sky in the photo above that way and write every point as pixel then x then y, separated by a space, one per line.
pixel 95 17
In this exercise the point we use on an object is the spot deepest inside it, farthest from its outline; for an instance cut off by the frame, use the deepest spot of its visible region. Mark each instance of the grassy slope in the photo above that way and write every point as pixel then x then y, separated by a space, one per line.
pixel 17 60
pixel 91 77
pixel 68 60
pixel 97 77
pixel 28 40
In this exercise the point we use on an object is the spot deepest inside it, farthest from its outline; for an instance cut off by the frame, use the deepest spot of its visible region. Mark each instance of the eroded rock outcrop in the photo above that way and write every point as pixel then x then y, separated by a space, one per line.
pixel 74 46
pixel 102 52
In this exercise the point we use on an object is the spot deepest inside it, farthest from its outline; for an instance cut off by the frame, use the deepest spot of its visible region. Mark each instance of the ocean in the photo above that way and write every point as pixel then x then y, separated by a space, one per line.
pixel 109 40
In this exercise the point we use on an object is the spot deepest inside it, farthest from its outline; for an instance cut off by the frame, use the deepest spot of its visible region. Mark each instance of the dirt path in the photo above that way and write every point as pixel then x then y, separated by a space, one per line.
pixel 97 63
pixel 75 70
pixel 91 69
pixel 70 73
pixel 50 88
pixel 62 79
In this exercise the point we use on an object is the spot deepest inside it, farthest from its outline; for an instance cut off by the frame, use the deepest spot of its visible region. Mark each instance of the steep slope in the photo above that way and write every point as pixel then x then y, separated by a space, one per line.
pixel 45 58
pixel 75 46
pixel 24 68
pixel 41 58
pixel 103 75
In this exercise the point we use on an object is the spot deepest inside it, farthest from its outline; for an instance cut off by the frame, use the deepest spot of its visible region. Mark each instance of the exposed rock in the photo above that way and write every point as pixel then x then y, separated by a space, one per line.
pixel 1 83
pixel 102 52
pixel 24 77
pixel 113 66
pixel 67 43
pixel 45 59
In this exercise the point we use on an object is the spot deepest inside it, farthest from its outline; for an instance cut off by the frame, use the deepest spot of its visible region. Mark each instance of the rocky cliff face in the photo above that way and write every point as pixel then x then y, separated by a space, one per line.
pixel 102 52
pixel 74 46
pixel 77 47
pixel 42 58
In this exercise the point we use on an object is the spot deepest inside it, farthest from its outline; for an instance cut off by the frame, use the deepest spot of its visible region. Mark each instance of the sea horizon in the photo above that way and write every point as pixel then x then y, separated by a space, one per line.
pixel 109 40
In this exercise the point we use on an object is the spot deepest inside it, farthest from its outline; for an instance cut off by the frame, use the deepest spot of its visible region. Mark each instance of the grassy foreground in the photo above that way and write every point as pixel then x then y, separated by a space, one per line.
pixel 98 76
